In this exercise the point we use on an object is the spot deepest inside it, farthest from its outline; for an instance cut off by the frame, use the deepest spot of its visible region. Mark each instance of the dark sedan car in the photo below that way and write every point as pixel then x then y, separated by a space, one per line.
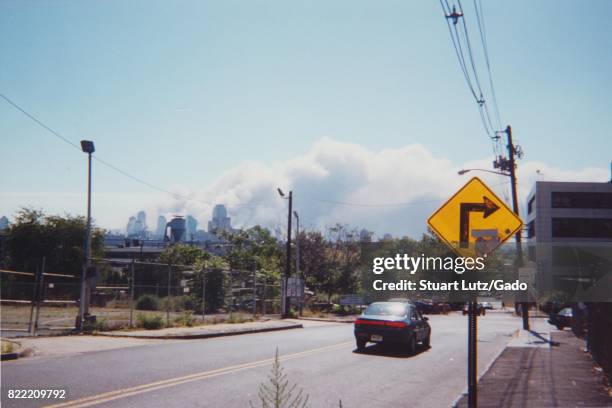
pixel 392 322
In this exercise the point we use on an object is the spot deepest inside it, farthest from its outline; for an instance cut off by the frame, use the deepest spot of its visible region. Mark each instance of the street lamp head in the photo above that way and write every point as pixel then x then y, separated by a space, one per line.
pixel 87 146
pixel 462 172
pixel 280 192
pixel 296 215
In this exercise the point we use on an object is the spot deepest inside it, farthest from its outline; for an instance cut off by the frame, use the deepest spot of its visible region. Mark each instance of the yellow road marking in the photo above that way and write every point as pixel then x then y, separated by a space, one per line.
pixel 141 389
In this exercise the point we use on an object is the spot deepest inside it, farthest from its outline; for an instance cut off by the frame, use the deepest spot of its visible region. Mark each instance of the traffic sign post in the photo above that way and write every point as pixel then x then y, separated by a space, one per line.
pixel 473 223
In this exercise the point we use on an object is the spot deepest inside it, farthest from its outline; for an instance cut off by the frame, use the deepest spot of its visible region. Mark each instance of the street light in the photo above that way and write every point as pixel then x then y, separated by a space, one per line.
pixel 285 300
pixel 88 147
pixel 463 171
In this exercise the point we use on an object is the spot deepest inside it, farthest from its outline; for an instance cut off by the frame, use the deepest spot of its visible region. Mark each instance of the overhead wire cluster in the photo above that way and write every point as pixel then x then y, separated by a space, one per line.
pixel 460 38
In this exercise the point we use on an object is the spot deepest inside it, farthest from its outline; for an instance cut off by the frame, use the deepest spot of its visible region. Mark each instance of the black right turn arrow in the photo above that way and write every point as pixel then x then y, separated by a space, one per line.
pixel 487 207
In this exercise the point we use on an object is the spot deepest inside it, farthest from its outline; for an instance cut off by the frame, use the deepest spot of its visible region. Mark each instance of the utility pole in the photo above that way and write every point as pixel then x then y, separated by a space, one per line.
pixel 509 165
pixel 288 262
pixel 285 280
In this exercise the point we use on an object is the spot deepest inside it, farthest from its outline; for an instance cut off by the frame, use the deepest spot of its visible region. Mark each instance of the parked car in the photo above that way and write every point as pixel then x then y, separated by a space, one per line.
pixel 487 305
pixel 564 318
pixel 480 310
pixel 423 306
pixel 392 322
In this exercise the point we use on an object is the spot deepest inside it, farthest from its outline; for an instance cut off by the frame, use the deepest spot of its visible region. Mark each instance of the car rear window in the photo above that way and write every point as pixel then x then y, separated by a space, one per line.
pixel 388 309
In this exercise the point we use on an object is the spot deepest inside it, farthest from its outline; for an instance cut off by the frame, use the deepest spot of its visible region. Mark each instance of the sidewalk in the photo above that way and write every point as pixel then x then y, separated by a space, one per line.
pixel 202 332
pixel 543 367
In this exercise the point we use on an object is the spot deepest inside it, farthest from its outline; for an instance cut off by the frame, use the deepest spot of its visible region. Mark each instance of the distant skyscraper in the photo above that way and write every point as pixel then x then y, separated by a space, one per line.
pixel 191 226
pixel 4 223
pixel 365 235
pixel 137 226
pixel 160 231
pixel 220 221
pixel 130 226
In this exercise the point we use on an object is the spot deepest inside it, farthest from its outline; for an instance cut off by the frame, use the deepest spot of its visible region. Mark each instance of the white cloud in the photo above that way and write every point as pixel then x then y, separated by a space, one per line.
pixel 393 190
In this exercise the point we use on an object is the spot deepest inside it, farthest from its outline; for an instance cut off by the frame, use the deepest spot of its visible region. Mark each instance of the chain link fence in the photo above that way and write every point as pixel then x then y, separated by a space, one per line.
pixel 128 294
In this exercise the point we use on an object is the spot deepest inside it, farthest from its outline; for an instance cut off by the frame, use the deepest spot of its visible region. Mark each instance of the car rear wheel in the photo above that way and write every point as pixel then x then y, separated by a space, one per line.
pixel 412 345
pixel 427 340
pixel 361 344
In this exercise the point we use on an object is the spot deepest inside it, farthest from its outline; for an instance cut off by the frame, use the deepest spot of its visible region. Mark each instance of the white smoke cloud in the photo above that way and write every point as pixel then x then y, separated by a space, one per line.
pixel 390 190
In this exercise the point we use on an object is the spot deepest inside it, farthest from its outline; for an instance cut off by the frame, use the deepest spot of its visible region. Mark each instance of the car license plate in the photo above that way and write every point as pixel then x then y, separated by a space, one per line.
pixel 376 337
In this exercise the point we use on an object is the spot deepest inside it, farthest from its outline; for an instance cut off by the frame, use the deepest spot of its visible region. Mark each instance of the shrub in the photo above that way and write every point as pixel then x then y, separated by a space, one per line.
pixel 293 314
pixel 97 325
pixel 150 322
pixel 278 392
pixel 147 302
pixel 185 319
pixel 177 303
pixel 238 318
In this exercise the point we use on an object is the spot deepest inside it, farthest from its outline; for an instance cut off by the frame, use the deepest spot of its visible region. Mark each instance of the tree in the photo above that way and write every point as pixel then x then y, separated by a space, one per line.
pixel 59 239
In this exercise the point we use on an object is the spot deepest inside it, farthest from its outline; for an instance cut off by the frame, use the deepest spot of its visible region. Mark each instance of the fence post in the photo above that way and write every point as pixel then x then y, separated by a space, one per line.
pixel 33 303
pixel 203 295
pixel 131 293
pixel 254 293
pixel 168 299
pixel 39 294
pixel 263 312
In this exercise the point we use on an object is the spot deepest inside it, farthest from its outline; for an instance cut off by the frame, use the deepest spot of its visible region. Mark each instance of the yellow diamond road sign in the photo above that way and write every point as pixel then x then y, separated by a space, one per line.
pixel 474 221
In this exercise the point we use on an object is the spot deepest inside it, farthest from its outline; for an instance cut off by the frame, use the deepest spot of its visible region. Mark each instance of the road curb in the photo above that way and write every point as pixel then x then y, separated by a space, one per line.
pixel 203 335
pixel 322 319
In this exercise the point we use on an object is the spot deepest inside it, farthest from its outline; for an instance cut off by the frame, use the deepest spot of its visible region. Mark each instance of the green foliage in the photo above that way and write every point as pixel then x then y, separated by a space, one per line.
pixel 217 283
pixel 277 392
pixel 150 322
pixel 293 314
pixel 238 318
pixel 185 319
pixel 147 302
pixel 60 239
pixel 98 325
pixel 177 303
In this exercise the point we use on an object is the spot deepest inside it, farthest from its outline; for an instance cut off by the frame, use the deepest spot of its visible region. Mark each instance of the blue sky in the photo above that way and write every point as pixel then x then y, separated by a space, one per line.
pixel 180 93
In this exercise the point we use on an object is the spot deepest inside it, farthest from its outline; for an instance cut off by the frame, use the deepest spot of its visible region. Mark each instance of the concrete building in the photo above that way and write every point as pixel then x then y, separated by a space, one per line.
pixel 160 231
pixel 569 236
pixel 191 227
pixel 220 221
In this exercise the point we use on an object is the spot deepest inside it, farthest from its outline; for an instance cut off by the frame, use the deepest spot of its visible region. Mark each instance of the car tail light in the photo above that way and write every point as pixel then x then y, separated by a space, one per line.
pixel 400 325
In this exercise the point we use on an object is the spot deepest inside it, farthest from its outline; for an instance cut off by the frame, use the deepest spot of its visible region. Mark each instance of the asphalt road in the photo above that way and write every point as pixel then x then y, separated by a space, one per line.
pixel 226 372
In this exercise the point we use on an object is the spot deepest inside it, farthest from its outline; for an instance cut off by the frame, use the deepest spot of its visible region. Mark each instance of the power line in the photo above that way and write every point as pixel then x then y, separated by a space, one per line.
pixel 100 160
pixel 483 38
pixel 40 123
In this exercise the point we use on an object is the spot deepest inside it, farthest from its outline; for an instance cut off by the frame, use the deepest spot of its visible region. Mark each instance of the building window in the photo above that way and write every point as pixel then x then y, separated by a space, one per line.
pixel 530 205
pixel 582 227
pixel 561 199
pixel 531 229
